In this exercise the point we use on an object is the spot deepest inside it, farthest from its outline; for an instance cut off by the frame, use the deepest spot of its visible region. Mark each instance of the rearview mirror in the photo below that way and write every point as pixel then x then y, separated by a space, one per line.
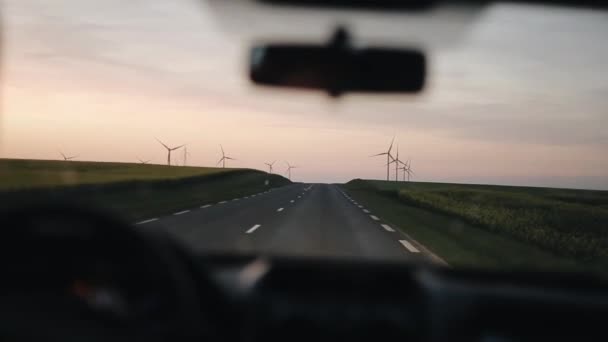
pixel 337 67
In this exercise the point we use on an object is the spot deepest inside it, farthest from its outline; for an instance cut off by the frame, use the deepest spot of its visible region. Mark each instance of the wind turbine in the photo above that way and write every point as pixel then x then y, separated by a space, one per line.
pixel 169 150
pixel 389 156
pixel 407 168
pixel 224 158
pixel 289 167
pixel 143 161
pixel 270 166
pixel 66 158
pixel 404 169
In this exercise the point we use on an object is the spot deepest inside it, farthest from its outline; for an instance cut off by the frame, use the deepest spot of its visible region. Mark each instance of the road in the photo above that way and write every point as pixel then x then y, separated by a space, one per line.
pixel 296 220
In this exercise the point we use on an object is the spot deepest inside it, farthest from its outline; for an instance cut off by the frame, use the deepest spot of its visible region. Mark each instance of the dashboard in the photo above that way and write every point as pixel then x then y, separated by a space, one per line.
pixel 74 274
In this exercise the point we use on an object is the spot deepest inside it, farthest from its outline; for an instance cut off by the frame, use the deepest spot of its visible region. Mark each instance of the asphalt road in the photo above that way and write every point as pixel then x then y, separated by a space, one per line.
pixel 297 220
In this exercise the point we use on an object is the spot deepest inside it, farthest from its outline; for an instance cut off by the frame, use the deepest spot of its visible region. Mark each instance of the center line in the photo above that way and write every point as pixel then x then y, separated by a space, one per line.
pixel 252 229
pixel 366 211
pixel 182 212
pixel 409 246
pixel 374 217
pixel 387 227
pixel 147 221
pixel 205 206
pixel 280 209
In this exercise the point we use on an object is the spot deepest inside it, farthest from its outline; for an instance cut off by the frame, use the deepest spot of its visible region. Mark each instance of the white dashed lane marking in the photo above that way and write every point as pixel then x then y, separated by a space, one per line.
pixel 148 221
pixel 291 201
pixel 280 209
pixel 409 246
pixel 181 212
pixel 387 228
pixel 375 218
pixel 252 229
pixel 366 211
pixel 222 202
pixel 205 206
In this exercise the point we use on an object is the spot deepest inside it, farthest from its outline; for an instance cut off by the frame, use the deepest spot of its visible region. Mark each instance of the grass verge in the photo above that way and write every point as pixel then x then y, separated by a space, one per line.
pixel 463 242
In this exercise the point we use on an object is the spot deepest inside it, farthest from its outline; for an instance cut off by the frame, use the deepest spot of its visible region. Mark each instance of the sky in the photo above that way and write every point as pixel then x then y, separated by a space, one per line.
pixel 516 94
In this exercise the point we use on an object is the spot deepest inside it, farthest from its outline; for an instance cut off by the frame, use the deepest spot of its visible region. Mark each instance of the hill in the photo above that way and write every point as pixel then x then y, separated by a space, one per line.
pixel 134 191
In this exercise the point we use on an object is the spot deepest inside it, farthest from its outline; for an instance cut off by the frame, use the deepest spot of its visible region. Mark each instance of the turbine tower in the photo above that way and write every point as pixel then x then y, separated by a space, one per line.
pixel 397 162
pixel 270 166
pixel 186 154
pixel 289 167
pixel 224 158
pixel 169 150
pixel 389 156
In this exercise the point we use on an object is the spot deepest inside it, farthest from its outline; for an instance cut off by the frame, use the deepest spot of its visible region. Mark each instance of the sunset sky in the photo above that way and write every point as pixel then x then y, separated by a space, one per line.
pixel 516 96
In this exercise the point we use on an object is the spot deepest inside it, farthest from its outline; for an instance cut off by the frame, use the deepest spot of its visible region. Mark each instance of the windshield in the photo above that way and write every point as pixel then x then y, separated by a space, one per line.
pixel 145 108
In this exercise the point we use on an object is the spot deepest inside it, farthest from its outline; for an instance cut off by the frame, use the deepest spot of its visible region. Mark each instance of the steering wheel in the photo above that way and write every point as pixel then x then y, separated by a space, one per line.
pixel 72 273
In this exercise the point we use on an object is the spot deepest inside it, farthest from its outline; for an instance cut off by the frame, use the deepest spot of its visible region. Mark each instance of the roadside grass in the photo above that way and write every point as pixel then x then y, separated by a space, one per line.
pixel 135 192
pixel 496 226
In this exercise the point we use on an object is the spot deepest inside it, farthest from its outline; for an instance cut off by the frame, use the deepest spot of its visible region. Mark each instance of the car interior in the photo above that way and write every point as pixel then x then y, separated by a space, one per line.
pixel 71 272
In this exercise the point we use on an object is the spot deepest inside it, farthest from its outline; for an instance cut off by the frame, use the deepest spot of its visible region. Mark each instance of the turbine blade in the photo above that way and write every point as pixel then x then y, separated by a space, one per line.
pixel 379 154
pixel 167 147
pixel 391 147
pixel 175 148
pixel 220 161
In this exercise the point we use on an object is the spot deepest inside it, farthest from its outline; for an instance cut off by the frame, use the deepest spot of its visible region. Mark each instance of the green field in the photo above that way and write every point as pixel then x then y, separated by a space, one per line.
pixel 133 191
pixel 17 174
pixel 499 226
